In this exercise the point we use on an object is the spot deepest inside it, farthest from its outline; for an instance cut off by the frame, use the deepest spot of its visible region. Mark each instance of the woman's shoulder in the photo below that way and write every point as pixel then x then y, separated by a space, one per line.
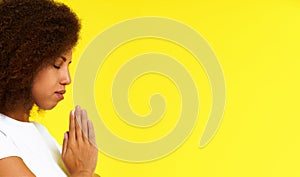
pixel 40 127
pixel 17 130
pixel 8 147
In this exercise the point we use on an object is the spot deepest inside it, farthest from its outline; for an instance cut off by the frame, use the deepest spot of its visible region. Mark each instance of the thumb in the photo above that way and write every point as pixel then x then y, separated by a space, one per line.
pixel 65 143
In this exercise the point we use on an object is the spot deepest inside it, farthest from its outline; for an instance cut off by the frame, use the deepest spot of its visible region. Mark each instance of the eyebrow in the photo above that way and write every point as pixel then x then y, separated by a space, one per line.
pixel 65 59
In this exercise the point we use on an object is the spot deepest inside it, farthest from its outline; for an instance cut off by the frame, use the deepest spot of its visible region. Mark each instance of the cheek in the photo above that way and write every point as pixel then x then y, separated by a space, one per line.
pixel 38 90
pixel 43 82
pixel 43 94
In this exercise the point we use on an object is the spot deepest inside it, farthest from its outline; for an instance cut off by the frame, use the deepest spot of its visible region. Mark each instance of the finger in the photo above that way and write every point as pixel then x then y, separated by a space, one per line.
pixel 72 126
pixel 65 143
pixel 84 126
pixel 78 132
pixel 91 133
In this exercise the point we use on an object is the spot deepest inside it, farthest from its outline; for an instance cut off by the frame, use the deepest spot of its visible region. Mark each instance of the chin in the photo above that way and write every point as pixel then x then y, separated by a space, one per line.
pixel 46 107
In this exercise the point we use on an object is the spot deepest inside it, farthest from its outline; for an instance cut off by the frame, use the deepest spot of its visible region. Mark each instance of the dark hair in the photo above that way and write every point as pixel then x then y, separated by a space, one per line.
pixel 32 34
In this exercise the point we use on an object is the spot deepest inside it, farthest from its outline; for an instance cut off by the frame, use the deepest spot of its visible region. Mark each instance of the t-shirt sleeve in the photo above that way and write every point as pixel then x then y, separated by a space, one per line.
pixel 7 147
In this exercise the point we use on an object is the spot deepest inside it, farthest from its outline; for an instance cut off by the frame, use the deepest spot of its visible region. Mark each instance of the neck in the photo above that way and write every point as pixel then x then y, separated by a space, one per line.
pixel 19 115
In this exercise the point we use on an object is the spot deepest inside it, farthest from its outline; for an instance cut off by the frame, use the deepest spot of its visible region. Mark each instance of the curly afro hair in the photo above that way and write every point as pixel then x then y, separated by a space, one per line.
pixel 33 33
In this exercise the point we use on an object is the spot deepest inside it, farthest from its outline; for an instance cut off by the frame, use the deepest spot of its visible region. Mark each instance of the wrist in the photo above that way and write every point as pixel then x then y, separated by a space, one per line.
pixel 82 174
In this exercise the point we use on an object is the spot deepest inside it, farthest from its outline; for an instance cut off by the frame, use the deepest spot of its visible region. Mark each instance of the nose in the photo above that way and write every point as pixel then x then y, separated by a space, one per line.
pixel 65 77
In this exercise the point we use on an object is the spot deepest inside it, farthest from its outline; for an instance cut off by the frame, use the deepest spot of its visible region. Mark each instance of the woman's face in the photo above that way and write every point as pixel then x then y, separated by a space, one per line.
pixel 49 83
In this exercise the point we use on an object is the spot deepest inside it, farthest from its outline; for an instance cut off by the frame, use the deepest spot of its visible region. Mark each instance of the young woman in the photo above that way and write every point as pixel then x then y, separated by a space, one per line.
pixel 36 41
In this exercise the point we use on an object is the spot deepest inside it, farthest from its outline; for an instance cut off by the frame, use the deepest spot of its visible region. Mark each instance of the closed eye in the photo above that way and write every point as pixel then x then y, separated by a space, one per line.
pixel 56 67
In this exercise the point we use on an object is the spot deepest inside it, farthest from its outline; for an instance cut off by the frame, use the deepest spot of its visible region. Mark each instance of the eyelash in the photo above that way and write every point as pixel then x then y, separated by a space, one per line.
pixel 56 67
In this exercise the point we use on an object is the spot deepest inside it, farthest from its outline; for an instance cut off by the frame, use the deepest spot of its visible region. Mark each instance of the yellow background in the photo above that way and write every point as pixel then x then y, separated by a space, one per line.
pixel 257 44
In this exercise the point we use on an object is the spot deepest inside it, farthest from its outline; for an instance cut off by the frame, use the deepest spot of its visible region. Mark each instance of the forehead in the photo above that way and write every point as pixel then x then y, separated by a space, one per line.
pixel 67 56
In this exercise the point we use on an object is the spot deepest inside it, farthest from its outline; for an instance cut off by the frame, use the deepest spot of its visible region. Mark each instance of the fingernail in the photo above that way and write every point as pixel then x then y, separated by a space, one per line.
pixel 66 135
pixel 72 114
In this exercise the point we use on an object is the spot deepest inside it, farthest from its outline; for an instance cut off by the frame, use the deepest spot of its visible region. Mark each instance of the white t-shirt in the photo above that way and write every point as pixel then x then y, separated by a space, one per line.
pixel 33 144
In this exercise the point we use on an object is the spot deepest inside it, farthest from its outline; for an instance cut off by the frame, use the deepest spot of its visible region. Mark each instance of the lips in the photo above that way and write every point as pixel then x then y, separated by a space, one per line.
pixel 60 94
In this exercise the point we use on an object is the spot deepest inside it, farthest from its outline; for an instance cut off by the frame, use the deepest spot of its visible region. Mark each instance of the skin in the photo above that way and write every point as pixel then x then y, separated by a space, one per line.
pixel 80 142
pixel 49 84
pixel 79 152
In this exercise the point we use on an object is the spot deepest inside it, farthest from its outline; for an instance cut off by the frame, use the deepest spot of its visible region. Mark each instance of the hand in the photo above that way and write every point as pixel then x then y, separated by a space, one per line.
pixel 79 151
